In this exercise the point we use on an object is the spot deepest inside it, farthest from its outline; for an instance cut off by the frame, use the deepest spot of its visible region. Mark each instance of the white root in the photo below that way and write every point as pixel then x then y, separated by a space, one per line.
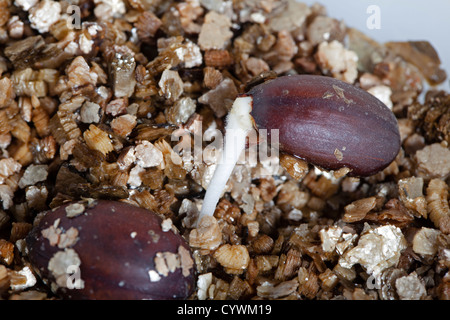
pixel 239 123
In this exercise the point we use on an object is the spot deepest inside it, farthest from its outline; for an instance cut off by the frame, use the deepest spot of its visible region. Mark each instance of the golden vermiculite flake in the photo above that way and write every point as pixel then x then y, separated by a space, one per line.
pixel 98 139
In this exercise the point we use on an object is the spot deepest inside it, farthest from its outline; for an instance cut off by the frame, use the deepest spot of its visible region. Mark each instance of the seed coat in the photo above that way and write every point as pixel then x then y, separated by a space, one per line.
pixel 327 122
pixel 122 252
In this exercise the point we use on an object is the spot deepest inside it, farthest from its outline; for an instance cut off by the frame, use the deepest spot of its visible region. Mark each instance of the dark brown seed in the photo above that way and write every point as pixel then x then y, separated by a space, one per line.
pixel 328 123
pixel 119 251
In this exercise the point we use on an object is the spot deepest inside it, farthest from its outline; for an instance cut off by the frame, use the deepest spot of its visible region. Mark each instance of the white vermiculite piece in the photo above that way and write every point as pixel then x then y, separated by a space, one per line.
pixel 239 123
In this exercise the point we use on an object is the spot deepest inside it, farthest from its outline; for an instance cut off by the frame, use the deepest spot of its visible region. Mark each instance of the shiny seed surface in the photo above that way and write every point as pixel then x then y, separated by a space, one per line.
pixel 110 250
pixel 328 123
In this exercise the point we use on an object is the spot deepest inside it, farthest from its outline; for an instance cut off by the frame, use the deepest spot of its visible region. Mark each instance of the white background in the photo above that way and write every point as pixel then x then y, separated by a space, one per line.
pixel 401 20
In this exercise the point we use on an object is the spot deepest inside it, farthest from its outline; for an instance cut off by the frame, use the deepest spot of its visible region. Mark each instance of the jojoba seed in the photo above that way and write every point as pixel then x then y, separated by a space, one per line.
pixel 100 249
pixel 327 122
